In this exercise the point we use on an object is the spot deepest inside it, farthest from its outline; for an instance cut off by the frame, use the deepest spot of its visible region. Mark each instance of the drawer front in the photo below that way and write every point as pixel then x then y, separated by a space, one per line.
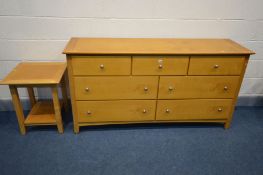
pixel 120 110
pixel 193 109
pixel 116 87
pixel 216 65
pixel 101 65
pixel 181 87
pixel 158 65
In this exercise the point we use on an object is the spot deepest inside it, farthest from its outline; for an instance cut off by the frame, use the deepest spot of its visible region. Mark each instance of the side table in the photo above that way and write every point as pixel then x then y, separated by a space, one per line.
pixel 38 74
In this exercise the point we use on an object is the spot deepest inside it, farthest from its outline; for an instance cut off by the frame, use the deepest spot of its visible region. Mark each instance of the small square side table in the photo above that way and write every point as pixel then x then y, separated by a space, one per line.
pixel 38 74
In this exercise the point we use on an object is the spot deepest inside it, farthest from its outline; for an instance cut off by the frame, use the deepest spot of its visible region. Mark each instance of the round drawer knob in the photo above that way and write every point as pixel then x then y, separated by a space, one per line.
pixel 101 66
pixel 170 88
pixel 219 109
pixel 88 112
pixel 225 88
pixel 167 110
pixel 216 66
pixel 87 89
pixel 160 66
pixel 146 88
pixel 144 111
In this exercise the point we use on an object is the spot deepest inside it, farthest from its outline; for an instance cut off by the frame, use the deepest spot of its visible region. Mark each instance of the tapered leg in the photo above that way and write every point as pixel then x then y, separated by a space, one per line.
pixel 227 124
pixel 31 95
pixel 57 108
pixel 18 108
pixel 64 92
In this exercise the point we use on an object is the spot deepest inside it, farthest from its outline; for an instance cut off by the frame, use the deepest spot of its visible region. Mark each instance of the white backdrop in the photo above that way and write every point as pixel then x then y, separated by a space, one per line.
pixel 38 30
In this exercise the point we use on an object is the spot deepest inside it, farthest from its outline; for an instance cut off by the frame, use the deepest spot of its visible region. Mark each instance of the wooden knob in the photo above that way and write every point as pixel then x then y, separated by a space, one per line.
pixel 216 66
pixel 167 110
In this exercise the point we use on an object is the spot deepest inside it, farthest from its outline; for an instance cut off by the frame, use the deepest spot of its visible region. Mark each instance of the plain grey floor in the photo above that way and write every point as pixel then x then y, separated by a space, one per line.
pixel 140 149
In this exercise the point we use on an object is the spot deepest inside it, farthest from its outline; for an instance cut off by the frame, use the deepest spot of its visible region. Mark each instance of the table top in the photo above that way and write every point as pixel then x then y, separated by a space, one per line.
pixel 27 73
pixel 154 46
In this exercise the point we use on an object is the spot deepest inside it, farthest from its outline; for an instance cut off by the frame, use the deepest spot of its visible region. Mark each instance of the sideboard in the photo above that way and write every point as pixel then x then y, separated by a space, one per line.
pixel 153 80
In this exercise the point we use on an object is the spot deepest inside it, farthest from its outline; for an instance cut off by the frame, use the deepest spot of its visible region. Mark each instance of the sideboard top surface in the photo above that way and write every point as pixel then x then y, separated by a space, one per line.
pixel 154 46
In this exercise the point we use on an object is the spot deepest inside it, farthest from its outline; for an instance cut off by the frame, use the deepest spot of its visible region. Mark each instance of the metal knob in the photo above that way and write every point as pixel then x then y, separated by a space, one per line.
pixel 102 66
pixel 216 66
pixel 170 88
pixel 225 88
pixel 219 109
pixel 87 89
pixel 160 66
pixel 146 88
pixel 88 112
pixel 167 110
pixel 144 111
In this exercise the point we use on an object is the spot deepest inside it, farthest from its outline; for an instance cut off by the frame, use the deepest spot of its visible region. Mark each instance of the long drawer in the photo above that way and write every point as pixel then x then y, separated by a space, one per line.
pixel 216 65
pixel 119 110
pixel 116 87
pixel 160 65
pixel 181 87
pixel 101 65
pixel 193 109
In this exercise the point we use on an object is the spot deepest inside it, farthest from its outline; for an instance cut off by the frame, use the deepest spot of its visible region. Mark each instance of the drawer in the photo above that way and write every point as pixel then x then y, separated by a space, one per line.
pixel 116 87
pixel 101 65
pixel 193 109
pixel 120 110
pixel 160 65
pixel 216 65
pixel 181 87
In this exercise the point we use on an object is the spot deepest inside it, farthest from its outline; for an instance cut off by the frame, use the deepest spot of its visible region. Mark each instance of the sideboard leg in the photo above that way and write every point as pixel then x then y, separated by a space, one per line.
pixel 76 128
pixel 227 125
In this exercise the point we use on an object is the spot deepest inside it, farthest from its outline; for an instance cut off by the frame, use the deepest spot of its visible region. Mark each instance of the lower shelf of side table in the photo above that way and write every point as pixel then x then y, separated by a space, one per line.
pixel 42 113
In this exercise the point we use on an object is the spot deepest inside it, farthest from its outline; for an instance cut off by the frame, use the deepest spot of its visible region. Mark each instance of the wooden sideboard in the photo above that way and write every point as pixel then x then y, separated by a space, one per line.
pixel 139 80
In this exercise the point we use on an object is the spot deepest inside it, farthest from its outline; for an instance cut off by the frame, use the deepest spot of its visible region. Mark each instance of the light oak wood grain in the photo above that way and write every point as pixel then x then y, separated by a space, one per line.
pixel 216 65
pixel 193 109
pixel 116 87
pixel 154 46
pixel 117 110
pixel 101 65
pixel 18 108
pixel 36 73
pixel 42 113
pixel 160 65
pixel 72 95
pixel 182 87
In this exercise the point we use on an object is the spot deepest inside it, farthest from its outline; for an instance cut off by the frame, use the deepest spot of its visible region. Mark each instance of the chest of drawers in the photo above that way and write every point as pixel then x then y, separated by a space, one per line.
pixel 118 81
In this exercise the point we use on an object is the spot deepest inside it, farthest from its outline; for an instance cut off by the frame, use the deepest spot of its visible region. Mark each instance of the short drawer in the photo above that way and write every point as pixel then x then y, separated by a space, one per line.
pixel 160 65
pixel 216 65
pixel 181 87
pixel 193 109
pixel 101 65
pixel 120 110
pixel 116 87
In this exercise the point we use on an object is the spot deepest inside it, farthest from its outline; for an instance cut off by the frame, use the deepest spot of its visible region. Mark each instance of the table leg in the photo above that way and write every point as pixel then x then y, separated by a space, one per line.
pixel 57 109
pixel 64 92
pixel 31 94
pixel 18 108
